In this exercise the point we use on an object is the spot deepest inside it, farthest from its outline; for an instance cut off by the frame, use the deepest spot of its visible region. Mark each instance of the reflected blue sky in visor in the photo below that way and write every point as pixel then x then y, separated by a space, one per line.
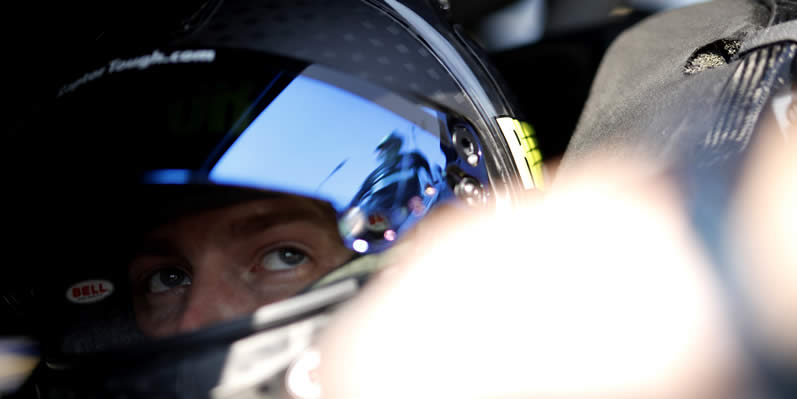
pixel 319 140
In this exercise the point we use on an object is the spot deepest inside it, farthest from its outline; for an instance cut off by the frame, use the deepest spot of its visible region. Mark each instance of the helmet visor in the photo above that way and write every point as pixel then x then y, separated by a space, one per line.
pixel 243 175
pixel 239 119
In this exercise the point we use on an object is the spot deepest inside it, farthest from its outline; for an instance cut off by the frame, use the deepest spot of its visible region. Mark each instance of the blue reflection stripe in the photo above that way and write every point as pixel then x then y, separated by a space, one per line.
pixel 168 176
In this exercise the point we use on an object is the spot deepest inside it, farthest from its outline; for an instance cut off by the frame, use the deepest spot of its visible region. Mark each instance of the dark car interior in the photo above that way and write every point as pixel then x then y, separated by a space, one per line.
pixel 547 51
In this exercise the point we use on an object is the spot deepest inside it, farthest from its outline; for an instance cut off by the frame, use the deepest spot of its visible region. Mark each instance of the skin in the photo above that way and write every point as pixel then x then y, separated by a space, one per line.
pixel 224 263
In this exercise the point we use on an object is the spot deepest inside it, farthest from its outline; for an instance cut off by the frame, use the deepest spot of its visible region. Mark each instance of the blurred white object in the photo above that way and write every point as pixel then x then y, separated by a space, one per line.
pixel 525 21
pixel 18 358
pixel 519 23
pixel 656 5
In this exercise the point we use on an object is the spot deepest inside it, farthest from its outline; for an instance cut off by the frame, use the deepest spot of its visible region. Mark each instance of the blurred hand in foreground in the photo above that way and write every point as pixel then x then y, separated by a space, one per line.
pixel 602 289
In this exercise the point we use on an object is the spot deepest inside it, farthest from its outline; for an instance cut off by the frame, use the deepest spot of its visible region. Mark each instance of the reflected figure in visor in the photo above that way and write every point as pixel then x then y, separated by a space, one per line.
pixel 401 185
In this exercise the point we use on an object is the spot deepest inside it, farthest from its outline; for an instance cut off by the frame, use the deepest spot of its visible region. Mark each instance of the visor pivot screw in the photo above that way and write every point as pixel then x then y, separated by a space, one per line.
pixel 430 190
pixel 468 149
pixel 470 190
pixel 444 5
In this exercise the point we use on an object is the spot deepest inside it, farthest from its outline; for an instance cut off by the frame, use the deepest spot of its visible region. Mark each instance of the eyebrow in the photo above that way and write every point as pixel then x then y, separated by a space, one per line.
pixel 248 225
pixel 253 224
pixel 155 247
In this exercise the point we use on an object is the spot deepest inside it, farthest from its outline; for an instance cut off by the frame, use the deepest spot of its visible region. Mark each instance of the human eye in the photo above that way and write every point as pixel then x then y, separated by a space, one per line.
pixel 284 258
pixel 166 279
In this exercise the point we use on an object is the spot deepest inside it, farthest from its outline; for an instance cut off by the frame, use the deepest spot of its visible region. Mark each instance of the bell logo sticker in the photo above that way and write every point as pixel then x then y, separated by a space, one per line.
pixel 89 291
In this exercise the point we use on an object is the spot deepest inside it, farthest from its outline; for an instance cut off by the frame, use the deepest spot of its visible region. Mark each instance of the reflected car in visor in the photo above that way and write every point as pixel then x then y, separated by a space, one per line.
pixel 240 179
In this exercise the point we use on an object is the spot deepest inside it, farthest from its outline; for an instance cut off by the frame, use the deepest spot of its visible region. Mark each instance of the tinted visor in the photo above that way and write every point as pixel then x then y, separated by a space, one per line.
pixel 268 172
pixel 247 120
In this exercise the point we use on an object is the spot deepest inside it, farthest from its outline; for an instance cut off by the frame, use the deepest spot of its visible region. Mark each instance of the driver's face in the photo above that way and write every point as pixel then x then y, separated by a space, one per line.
pixel 224 263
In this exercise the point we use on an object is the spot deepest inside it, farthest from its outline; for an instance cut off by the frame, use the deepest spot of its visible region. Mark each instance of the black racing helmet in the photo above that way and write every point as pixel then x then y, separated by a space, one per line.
pixel 209 190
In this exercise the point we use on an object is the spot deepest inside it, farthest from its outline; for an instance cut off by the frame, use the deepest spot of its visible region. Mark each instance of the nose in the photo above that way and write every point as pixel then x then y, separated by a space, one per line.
pixel 215 295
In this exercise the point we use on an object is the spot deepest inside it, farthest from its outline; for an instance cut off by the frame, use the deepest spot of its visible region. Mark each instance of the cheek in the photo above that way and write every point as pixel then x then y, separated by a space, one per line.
pixel 159 315
pixel 334 254
pixel 289 284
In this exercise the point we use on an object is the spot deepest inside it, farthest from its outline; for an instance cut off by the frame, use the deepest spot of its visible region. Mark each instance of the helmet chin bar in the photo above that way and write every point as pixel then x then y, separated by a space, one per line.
pixel 260 365
pixel 238 359
pixel 271 361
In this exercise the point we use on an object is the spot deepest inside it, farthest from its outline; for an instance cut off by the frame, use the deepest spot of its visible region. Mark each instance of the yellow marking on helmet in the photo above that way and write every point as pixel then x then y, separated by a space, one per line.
pixel 523 143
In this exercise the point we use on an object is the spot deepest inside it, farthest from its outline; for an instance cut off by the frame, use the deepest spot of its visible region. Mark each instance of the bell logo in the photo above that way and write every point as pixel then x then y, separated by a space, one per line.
pixel 89 291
